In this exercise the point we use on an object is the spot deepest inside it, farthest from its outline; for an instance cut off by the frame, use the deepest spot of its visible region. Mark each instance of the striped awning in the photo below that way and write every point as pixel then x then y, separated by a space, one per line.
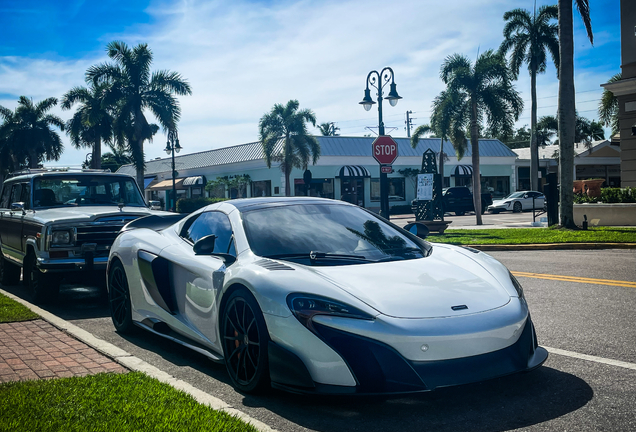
pixel 353 171
pixel 462 171
pixel 194 181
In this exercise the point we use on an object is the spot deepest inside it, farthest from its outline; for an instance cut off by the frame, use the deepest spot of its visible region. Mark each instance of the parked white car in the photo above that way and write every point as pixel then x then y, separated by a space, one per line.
pixel 518 202
pixel 320 296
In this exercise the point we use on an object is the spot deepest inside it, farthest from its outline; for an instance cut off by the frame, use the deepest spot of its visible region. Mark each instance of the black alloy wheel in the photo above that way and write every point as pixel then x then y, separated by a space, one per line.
pixel 119 299
pixel 41 287
pixel 9 273
pixel 245 340
pixel 517 208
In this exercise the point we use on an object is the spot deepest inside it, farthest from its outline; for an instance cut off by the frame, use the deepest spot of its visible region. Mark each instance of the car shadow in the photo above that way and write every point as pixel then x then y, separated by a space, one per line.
pixel 503 404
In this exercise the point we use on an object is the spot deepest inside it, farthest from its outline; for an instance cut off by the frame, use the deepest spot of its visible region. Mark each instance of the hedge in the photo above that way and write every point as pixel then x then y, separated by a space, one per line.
pixel 188 205
pixel 608 195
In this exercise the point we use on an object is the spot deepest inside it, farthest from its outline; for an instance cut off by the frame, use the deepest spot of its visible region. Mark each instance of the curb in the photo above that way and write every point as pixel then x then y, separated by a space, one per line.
pixel 551 246
pixel 138 365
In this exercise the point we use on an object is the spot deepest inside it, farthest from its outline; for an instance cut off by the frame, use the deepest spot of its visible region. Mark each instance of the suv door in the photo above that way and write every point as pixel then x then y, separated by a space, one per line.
pixel 12 225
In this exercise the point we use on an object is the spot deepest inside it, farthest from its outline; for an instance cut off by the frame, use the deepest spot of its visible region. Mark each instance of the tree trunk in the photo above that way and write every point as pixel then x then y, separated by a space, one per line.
pixel 474 143
pixel 139 165
pixel 534 148
pixel 33 159
pixel 566 114
pixel 96 161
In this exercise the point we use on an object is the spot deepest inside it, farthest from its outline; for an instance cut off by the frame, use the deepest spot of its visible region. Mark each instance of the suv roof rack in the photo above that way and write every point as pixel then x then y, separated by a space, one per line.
pixel 55 169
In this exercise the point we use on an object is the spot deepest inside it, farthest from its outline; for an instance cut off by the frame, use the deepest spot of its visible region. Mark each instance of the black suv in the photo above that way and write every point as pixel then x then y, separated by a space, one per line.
pixel 58 223
pixel 459 199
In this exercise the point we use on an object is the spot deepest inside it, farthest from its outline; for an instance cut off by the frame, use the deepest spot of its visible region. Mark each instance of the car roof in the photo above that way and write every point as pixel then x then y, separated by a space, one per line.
pixel 246 204
pixel 27 176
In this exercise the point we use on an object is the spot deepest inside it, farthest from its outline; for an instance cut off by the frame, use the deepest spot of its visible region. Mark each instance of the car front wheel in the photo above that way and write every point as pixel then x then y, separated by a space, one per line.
pixel 41 287
pixel 119 299
pixel 9 273
pixel 245 340
pixel 517 207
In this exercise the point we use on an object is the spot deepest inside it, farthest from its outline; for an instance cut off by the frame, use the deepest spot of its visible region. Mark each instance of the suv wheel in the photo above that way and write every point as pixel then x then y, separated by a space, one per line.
pixel 41 287
pixel 9 273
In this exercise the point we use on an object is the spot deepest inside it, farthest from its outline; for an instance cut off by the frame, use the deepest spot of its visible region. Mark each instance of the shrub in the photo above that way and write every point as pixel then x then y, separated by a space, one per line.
pixel 188 205
pixel 611 195
pixel 608 195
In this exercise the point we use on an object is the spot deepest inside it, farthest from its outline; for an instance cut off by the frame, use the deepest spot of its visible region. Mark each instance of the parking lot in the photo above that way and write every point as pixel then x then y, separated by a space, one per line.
pixel 589 385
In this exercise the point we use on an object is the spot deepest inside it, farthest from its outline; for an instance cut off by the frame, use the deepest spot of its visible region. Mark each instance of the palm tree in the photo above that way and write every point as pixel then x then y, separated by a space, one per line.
pixel 92 123
pixel 133 88
pixel 328 129
pixel 479 92
pixel 28 134
pixel 528 38
pixel 585 130
pixel 567 105
pixel 290 124
pixel 608 107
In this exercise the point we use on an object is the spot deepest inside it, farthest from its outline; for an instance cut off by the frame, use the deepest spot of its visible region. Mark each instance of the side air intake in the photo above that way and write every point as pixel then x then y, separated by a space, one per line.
pixel 272 265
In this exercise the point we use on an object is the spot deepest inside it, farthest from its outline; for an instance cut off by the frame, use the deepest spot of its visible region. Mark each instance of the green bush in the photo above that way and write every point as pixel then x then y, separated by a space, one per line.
pixel 401 209
pixel 611 195
pixel 188 205
pixel 608 195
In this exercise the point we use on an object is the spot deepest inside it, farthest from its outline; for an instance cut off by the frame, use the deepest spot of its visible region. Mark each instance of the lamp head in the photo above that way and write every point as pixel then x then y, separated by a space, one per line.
pixel 177 147
pixel 367 102
pixel 393 96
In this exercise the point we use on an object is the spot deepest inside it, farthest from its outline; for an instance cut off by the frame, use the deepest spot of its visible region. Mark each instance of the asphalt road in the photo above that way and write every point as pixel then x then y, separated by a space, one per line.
pixel 566 393
pixel 489 220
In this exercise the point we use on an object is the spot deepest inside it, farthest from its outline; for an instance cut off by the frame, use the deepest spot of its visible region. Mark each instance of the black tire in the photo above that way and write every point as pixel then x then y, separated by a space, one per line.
pixel 517 208
pixel 119 299
pixel 245 340
pixel 9 273
pixel 460 213
pixel 495 211
pixel 41 287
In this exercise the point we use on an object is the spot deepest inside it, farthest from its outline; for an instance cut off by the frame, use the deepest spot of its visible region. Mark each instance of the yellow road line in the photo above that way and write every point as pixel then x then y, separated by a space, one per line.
pixel 610 282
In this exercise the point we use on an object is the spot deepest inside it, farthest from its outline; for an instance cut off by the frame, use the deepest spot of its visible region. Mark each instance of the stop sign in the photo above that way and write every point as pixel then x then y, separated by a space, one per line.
pixel 385 149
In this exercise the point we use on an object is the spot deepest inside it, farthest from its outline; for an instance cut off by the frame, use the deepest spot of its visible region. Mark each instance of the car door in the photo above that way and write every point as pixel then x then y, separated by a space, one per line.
pixel 198 279
pixel 12 225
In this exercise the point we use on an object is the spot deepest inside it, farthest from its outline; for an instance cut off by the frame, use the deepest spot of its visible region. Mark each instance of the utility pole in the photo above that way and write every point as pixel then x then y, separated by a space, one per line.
pixel 409 123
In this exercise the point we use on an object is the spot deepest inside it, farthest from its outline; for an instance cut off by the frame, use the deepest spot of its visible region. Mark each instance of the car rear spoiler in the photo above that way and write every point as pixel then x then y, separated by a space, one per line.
pixel 154 222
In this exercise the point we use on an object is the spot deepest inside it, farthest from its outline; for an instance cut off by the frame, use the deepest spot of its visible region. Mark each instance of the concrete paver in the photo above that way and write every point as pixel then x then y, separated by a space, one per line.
pixel 31 350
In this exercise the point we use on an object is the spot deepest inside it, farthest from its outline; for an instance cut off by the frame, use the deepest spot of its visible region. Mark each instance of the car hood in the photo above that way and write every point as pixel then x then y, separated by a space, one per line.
pixel 81 214
pixel 422 288
pixel 502 201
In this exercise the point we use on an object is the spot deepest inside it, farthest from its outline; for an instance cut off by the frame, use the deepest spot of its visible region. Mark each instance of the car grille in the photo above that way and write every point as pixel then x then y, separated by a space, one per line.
pixel 102 235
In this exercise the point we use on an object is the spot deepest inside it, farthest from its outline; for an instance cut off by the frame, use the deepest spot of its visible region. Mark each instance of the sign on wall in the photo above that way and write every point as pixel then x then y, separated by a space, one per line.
pixel 425 187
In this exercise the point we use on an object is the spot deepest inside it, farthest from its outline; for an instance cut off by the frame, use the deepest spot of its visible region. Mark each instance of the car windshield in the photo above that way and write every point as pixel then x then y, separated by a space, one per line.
pixel 516 195
pixel 85 190
pixel 326 234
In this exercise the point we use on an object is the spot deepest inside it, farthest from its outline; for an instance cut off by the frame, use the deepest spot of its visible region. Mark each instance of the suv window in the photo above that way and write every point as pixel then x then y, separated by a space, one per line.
pixel 209 223
pixel 15 193
pixel 6 193
pixel 25 195
pixel 83 190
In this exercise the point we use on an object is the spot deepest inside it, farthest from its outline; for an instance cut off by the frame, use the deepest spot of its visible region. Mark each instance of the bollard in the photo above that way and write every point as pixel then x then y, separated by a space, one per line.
pixel 584 222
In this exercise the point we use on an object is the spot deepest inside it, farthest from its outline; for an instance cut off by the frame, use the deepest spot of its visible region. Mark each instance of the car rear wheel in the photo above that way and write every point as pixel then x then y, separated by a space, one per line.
pixel 9 273
pixel 245 340
pixel 119 299
pixel 517 207
pixel 460 213
pixel 41 287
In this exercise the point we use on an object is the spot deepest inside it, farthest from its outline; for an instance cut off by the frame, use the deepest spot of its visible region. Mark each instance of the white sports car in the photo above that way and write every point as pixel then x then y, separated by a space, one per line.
pixel 518 202
pixel 320 296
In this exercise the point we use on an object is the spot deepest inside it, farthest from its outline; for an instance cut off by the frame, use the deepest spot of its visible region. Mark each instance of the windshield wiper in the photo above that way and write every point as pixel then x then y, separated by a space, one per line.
pixel 314 256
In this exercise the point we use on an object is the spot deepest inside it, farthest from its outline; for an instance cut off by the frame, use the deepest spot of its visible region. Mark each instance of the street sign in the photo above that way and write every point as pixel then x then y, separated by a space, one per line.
pixel 385 150
pixel 388 169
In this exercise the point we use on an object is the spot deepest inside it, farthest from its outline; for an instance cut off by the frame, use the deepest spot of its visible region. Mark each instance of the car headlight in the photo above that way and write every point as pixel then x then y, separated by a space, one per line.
pixel 517 285
pixel 59 238
pixel 306 306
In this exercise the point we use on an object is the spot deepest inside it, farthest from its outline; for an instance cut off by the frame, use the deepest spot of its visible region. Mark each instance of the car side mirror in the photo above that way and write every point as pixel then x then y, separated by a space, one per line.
pixel 418 229
pixel 205 245
pixel 18 206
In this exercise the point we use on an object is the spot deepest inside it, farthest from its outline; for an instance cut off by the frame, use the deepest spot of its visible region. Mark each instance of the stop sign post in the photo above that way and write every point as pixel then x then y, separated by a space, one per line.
pixel 385 151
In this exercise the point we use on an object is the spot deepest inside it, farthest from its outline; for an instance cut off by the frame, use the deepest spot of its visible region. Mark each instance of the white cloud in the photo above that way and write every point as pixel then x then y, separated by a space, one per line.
pixel 242 57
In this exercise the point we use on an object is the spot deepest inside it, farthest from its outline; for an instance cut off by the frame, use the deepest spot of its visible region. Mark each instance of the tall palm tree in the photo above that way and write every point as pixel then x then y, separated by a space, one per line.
pixel 481 94
pixel 608 107
pixel 528 37
pixel 567 105
pixel 133 89
pixel 328 129
pixel 92 123
pixel 585 130
pixel 28 131
pixel 290 124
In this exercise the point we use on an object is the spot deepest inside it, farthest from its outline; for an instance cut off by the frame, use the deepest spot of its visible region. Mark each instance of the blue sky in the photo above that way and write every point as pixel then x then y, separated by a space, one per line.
pixel 241 57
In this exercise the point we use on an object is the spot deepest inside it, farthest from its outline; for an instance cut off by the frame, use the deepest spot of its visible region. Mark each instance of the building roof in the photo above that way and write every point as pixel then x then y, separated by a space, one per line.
pixel 329 146
pixel 548 151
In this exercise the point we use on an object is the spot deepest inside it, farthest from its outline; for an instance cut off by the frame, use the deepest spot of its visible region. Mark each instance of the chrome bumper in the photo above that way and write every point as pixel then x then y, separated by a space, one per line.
pixel 72 264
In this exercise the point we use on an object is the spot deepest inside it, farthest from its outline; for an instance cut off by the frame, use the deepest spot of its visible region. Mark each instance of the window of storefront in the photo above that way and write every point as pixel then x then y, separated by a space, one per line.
pixel 396 189
pixel 498 186
pixel 322 188
pixel 262 188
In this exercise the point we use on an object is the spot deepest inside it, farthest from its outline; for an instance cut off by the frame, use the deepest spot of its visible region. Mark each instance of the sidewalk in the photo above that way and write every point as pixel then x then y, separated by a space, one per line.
pixel 35 349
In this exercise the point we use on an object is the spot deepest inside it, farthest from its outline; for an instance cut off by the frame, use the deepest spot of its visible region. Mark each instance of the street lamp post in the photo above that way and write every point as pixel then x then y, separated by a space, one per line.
pixel 173 146
pixel 379 81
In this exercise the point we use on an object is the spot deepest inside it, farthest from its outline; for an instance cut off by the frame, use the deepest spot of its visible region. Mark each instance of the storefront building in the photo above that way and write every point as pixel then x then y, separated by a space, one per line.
pixel 345 170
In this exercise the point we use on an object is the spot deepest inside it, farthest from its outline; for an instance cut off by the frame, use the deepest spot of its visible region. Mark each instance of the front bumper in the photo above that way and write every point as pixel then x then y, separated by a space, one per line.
pixel 87 263
pixel 500 207
pixel 380 369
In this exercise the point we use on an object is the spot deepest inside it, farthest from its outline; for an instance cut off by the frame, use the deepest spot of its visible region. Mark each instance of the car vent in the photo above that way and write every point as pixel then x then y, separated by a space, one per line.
pixel 272 265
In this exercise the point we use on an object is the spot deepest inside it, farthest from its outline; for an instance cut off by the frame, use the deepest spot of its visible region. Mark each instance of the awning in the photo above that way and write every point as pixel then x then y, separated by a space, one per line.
pixel 194 181
pixel 167 184
pixel 148 180
pixel 462 171
pixel 353 171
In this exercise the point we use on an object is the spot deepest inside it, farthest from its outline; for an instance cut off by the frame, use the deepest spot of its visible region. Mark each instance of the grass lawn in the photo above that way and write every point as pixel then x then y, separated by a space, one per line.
pixel 107 402
pixel 535 235
pixel 11 311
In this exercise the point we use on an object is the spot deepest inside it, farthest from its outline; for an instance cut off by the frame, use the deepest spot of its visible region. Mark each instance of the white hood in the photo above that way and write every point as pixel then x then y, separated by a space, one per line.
pixel 421 288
